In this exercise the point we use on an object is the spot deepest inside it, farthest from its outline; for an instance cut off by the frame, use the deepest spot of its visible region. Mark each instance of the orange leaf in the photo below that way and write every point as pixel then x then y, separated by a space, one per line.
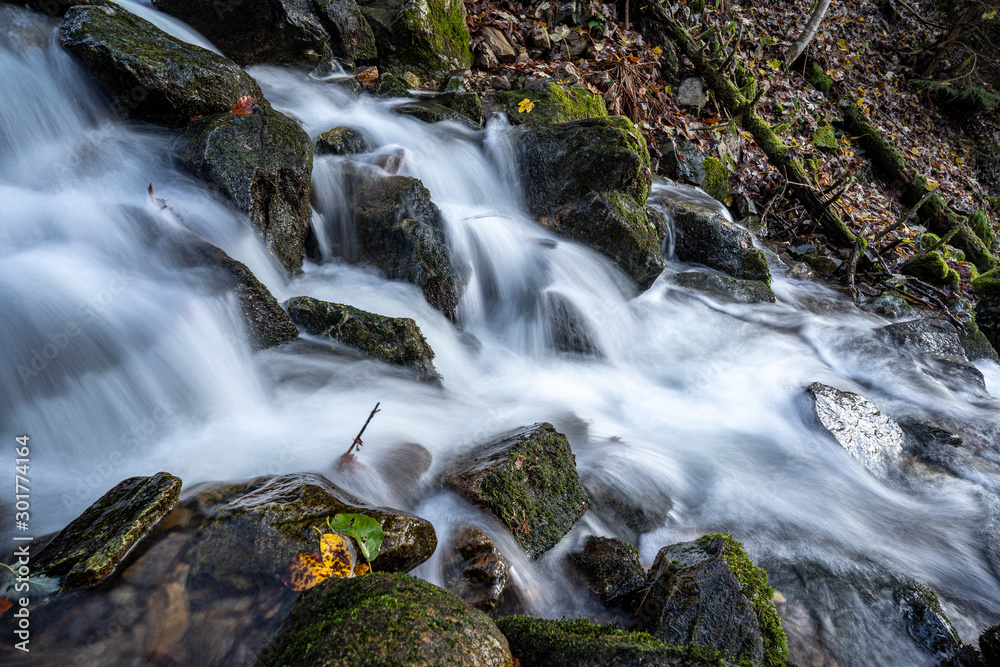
pixel 5 604
pixel 362 569
pixel 244 105
pixel 305 571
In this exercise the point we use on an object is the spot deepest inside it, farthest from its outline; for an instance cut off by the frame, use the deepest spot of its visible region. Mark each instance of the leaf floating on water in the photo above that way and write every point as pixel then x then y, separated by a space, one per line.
pixel 305 571
pixel 365 530
pixel 244 106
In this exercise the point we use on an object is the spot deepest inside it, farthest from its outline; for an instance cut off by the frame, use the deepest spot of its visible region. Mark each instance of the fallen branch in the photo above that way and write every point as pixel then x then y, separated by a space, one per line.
pixel 349 459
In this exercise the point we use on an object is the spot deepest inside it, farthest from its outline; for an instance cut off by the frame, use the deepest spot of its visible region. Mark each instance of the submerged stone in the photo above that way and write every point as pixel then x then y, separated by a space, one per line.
pixel 432 112
pixel 394 340
pixel 859 427
pixel 589 181
pixel 153 76
pixel 89 549
pixel 475 569
pixel 385 619
pixel 725 288
pixel 262 162
pixel 527 479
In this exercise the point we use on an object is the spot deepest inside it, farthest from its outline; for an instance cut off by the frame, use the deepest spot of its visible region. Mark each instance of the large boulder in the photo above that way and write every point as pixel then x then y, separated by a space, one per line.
pixel 153 76
pixel 262 162
pixel 90 548
pixel 279 31
pixel 552 103
pixel 252 530
pixel 588 181
pixel 400 231
pixel 859 427
pixel 394 340
pixel 427 37
pixel 540 642
pixel 266 323
pixel 527 479
pixel 709 593
pixel 385 619
pixel 708 237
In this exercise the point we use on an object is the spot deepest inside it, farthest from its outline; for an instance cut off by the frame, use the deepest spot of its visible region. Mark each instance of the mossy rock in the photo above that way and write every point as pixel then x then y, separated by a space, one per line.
pixel 589 181
pixel 350 35
pixel 266 323
pixel 385 619
pixel 90 548
pixel 553 103
pixel 934 269
pixel 432 112
pixel 152 75
pixel 538 642
pixel 717 179
pixel 926 621
pixel 987 285
pixel 394 340
pixel 527 479
pixel 824 138
pixel 709 593
pixel 390 85
pixel 400 231
pixel 707 237
pixel 975 343
pixel 467 104
pixel 262 162
pixel 429 38
pixel 725 288
pixel 611 568
pixel 250 531
pixel 342 141
pixel 980 224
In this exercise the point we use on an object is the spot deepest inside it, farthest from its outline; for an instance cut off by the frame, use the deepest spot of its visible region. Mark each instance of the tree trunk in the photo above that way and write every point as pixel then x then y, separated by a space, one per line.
pixel 799 46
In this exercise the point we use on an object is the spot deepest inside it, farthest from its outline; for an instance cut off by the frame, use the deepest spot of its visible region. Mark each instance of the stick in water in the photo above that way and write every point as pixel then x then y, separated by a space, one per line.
pixel 348 458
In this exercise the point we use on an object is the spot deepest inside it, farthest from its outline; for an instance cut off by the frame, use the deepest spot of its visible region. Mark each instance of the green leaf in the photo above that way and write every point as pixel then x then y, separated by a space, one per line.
pixel 366 531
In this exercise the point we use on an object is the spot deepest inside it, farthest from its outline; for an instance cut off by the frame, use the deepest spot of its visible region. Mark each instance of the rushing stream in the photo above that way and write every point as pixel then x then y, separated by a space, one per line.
pixel 118 362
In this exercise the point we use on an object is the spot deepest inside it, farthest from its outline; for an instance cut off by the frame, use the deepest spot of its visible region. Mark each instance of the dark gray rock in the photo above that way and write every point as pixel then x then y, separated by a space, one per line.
pixel 350 34
pixel 385 619
pixel 262 162
pixel 394 340
pixel 988 319
pixel 859 427
pixel 475 569
pixel 392 86
pixel 989 644
pixel 342 141
pixel 684 162
pixel 568 331
pixel 432 112
pixel 937 343
pixel 632 503
pixel 588 181
pixel 90 548
pixel 691 95
pixel 401 232
pixel 152 75
pixel 612 571
pixel 724 288
pixel 527 479
pixel 707 237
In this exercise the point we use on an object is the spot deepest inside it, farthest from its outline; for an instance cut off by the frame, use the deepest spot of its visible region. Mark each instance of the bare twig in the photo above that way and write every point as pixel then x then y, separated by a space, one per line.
pixel 902 221
pixel 357 439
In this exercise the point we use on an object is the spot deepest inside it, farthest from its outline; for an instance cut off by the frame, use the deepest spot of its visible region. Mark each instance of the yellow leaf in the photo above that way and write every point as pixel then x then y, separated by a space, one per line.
pixel 305 571
pixel 338 555
pixel 336 558
pixel 842 44
pixel 656 51
pixel 932 185
pixel 525 106
pixel 362 569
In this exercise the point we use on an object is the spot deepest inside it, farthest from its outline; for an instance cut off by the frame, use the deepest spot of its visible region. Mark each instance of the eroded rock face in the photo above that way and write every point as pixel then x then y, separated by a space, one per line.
pixel 385 619
pixel 475 569
pixel 527 479
pixel 394 340
pixel 427 37
pixel 254 529
pixel 588 181
pixel 612 571
pixel 401 232
pixel 262 162
pixel 153 76
pixel 859 427
pixel 89 549
pixel 707 237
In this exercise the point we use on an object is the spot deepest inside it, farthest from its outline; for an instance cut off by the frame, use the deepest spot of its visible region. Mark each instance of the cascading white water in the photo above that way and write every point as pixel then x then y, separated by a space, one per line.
pixel 117 362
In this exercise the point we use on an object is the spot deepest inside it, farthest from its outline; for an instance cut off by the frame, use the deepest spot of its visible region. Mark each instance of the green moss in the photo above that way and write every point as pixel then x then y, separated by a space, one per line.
pixel 556 104
pixel 988 284
pixel 934 269
pixel 980 224
pixel 824 138
pixel 753 581
pixel 581 643
pixel 716 182
pixel 929 240
pixel 819 79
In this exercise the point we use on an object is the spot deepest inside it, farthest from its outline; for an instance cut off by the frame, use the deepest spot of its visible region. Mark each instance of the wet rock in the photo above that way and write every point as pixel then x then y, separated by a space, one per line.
pixel 498 43
pixel 262 162
pixel 926 621
pixel 707 237
pixel 724 288
pixel 632 508
pixel 428 38
pixel 859 427
pixel 568 330
pixel 987 287
pixel 401 232
pixel 432 112
pixel 152 75
pixel 967 656
pixel 548 643
pixel 403 466
pixel 475 569
pixel 392 86
pixel 553 104
pixel 612 571
pixel 975 343
pixel 890 305
pixel 989 644
pixel 589 181
pixel 351 36
pixel 822 264
pixel 936 337
pixel 467 104
pixel 682 161
pixel 394 340
pixel 342 141
pixel 266 323
pixel 709 593
pixel 527 479
pixel 385 619
pixel 89 549
pixel 568 75
pixel 691 95
pixel 252 530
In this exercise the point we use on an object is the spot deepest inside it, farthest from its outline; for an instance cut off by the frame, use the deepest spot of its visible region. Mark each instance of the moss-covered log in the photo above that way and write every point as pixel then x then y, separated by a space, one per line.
pixel 892 168
pixel 741 103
